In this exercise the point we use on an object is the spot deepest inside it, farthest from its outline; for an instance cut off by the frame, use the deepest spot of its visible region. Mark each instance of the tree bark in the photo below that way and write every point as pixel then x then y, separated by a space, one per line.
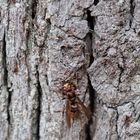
pixel 94 44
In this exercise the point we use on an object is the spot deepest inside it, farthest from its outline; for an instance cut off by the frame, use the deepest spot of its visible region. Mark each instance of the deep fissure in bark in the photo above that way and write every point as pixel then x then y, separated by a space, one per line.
pixel 120 75
pixel 117 116
pixel 96 2
pixel 132 7
pixel 8 106
pixel 5 80
pixel 4 61
pixel 39 89
pixel 92 96
pixel 92 99
pixel 91 22
pixel 34 8
pixel 87 131
pixel 5 77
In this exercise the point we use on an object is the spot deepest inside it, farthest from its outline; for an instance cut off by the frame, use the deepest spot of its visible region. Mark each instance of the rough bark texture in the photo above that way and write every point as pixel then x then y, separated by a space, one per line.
pixel 93 43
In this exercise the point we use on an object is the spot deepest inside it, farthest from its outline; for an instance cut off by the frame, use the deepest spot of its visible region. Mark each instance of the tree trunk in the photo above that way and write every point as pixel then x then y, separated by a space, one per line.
pixel 94 44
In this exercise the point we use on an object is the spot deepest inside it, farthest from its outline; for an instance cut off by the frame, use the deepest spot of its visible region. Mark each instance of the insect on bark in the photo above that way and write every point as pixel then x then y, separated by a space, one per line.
pixel 73 104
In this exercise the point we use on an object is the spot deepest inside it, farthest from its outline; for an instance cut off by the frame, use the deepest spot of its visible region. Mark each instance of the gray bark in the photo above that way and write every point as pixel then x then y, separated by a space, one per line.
pixel 95 44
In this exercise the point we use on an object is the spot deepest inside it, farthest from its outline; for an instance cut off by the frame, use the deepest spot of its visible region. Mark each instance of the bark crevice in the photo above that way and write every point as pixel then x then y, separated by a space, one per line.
pixel 96 2
pixel 5 77
pixel 91 22
pixel 4 61
pixel 120 75
pixel 117 116
pixel 88 130
pixel 39 90
pixel 92 98
pixel 8 106
pixel 34 8
pixel 132 8
pixel 5 81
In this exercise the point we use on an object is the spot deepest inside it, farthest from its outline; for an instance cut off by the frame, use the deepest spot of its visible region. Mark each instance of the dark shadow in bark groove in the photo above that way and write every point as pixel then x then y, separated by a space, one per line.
pixel 89 37
pixel 117 116
pixel 5 80
pixel 4 61
pixel 120 75
pixel 96 2
pixel 132 7
pixel 92 96
pixel 8 107
pixel 91 22
pixel 34 8
pixel 90 132
pixel 39 89
pixel 5 77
